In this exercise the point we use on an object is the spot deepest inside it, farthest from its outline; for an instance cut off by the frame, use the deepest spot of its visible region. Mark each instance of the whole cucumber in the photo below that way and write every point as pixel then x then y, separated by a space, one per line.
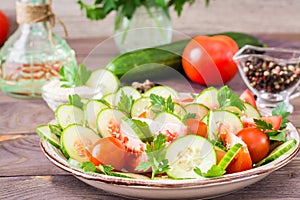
pixel 165 55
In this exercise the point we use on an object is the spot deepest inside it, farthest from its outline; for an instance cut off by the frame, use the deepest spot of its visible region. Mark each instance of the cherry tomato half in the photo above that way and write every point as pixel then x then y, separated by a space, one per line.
pixel 248 97
pixel 109 151
pixel 257 142
pixel 197 127
pixel 208 60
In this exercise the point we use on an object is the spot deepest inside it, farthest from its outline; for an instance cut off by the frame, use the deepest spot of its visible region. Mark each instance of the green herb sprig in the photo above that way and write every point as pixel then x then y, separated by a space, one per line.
pixel 101 8
pixel 156 153
pixel 73 76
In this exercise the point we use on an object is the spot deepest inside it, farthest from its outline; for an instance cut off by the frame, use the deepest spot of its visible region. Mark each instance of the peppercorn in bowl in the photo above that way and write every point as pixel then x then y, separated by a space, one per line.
pixel 272 74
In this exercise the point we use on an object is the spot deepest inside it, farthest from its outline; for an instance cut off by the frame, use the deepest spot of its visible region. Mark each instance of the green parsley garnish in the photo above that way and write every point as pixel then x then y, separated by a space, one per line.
pixel 280 110
pixel 161 104
pixel 73 76
pixel 125 103
pixel 156 153
pixel 75 100
pixel 227 98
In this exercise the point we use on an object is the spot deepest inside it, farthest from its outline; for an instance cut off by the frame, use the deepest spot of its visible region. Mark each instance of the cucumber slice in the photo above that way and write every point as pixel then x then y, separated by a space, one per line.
pixel 218 117
pixel 109 118
pixel 187 153
pixel 91 110
pixel 104 79
pixel 140 106
pixel 168 121
pixel 251 112
pixel 277 152
pixel 209 98
pixel 164 91
pixel 199 109
pixel 109 98
pixel 128 91
pixel 229 156
pixel 179 111
pixel 44 132
pixel 68 114
pixel 136 129
pixel 77 140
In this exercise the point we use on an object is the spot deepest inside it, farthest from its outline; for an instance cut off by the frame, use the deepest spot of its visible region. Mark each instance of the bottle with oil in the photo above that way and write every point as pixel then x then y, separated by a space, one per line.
pixel 33 54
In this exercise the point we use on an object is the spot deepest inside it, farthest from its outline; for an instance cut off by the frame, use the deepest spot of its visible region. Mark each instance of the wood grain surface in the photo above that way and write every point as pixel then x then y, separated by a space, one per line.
pixel 25 173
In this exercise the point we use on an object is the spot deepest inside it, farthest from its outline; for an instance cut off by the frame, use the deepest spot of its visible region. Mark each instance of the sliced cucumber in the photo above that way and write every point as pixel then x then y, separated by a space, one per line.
pixel 104 79
pixel 108 121
pixel 164 91
pixel 167 121
pixel 77 140
pixel 91 110
pixel 229 156
pixel 109 98
pixel 226 118
pixel 187 153
pixel 179 111
pixel 140 106
pixel 136 129
pixel 128 91
pixel 45 133
pixel 199 109
pixel 68 114
pixel 278 151
pixel 209 98
pixel 251 111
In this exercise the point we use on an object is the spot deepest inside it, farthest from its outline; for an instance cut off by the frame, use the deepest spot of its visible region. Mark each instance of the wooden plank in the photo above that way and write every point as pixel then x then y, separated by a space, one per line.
pixel 283 183
pixel 23 116
pixel 20 155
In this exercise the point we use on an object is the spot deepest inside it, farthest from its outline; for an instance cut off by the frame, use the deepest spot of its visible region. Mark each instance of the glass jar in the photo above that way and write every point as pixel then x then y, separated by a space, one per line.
pixel 30 58
pixel 149 26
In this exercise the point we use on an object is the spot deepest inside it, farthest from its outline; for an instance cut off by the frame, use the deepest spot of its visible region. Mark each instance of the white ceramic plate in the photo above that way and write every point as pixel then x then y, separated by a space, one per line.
pixel 173 189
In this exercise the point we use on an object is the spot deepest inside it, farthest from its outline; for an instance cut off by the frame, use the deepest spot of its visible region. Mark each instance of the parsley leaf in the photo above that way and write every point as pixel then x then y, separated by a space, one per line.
pixel 262 124
pixel 156 153
pixel 189 116
pixel 161 104
pixel 125 103
pixel 108 170
pixel 140 128
pixel 73 76
pixel 227 98
pixel 75 100
pixel 214 171
pixel 88 167
pixel 276 135
pixel 281 110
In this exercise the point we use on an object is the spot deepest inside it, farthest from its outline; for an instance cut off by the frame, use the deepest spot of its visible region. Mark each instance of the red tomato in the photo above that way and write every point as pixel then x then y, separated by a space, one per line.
pixel 220 154
pixel 195 126
pixel 208 60
pixel 274 120
pixel 257 142
pixel 109 151
pixel 248 97
pixel 242 161
pixel 4 28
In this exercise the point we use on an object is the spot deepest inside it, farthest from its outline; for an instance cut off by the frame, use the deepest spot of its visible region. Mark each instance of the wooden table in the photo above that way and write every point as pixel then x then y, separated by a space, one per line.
pixel 25 173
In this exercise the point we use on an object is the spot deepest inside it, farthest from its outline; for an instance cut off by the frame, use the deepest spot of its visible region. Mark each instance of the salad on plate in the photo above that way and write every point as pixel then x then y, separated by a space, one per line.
pixel 164 134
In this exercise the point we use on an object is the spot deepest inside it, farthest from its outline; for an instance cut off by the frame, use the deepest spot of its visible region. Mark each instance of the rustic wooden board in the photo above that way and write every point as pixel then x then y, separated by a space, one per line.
pixel 68 187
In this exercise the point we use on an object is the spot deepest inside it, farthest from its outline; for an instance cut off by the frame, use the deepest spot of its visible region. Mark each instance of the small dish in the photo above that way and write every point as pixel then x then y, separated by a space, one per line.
pixel 272 74
pixel 173 189
pixel 55 95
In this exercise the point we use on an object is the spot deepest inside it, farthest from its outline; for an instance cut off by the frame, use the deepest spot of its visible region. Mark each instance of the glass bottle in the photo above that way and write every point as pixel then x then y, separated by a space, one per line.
pixel 149 26
pixel 28 59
